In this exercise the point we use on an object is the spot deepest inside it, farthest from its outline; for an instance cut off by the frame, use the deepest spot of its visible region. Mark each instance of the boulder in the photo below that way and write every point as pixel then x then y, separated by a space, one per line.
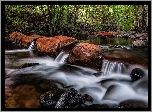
pixel 136 74
pixel 109 34
pixel 86 55
pixel 133 104
pixel 28 90
pixel 140 39
pixel 127 57
pixel 72 99
pixel 65 41
pixel 28 65
pixel 98 106
pixel 49 98
pixel 16 36
pixel 53 45
pixel 28 39
pixel 139 43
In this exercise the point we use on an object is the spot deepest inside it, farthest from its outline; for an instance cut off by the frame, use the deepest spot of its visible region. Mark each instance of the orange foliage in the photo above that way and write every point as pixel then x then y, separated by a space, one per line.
pixel 53 45
pixel 85 54
pixel 106 34
pixel 29 39
pixel 16 35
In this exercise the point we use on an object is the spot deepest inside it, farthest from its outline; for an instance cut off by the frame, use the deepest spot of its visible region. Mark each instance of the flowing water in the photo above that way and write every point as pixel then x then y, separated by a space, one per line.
pixel 61 57
pixel 112 86
pixel 31 46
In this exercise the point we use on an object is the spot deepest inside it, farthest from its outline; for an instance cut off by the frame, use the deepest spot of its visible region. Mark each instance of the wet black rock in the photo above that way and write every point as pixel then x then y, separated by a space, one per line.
pixel 136 74
pixel 72 99
pixel 47 99
pixel 28 65
pixel 98 106
pixel 133 104
pixel 97 74
pixel 24 91
pixel 87 98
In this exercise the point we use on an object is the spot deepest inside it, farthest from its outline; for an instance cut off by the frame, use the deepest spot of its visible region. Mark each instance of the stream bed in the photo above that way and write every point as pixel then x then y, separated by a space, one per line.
pixel 111 86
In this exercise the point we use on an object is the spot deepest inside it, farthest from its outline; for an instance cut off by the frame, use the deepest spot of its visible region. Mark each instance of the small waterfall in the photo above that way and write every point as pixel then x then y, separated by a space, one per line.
pixel 105 89
pixel 112 67
pixel 31 46
pixel 14 42
pixel 61 57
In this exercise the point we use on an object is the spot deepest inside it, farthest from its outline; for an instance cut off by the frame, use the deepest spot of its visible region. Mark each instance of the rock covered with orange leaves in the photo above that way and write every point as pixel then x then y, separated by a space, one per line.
pixel 86 55
pixel 24 40
pixel 54 45
pixel 47 45
pixel 16 36
pixel 109 34
pixel 82 54
pixel 28 39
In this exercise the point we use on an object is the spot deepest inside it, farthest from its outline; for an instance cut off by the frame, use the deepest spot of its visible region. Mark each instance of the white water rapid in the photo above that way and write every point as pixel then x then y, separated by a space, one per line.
pixel 112 86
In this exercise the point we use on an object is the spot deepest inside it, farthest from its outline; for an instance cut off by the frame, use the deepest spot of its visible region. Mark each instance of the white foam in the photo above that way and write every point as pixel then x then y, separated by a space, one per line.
pixel 61 58
pixel 114 74
pixel 16 50
pixel 31 46
pixel 112 67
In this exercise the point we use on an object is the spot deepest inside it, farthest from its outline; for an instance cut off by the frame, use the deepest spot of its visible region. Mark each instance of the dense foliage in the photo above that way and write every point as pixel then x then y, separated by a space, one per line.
pixel 50 20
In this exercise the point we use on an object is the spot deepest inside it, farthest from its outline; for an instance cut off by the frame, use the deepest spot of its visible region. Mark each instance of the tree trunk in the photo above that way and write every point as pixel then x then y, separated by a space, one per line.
pixel 50 17
pixel 137 17
pixel 144 18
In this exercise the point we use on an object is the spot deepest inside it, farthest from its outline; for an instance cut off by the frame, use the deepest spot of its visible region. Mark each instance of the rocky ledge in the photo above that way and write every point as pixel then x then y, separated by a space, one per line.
pixel 82 54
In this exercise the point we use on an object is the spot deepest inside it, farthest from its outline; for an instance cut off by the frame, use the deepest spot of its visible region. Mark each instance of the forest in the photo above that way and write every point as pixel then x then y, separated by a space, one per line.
pixel 78 21
pixel 76 56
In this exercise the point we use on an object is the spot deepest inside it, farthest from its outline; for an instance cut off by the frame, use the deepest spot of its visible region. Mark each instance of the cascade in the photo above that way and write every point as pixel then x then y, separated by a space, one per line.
pixel 61 57
pixel 112 87
pixel 112 67
pixel 31 46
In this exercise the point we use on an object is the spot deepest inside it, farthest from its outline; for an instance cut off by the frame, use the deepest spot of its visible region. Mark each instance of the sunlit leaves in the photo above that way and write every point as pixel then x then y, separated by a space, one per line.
pixel 122 17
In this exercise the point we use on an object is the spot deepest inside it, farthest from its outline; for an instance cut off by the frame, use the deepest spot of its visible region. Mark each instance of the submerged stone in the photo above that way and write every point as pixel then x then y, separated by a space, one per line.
pixel 48 99
pixel 22 96
pixel 97 74
pixel 28 65
pixel 127 57
pixel 133 104
pixel 98 106
pixel 24 90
